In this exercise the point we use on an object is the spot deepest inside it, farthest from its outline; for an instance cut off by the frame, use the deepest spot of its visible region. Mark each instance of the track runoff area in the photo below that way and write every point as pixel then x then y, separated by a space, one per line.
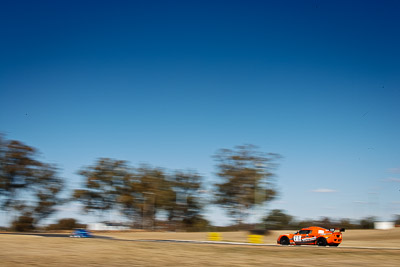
pixel 253 241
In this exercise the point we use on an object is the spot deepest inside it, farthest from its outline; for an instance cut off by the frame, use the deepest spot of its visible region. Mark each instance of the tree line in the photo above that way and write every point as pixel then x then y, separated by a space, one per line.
pixel 279 219
pixel 31 189
pixel 141 193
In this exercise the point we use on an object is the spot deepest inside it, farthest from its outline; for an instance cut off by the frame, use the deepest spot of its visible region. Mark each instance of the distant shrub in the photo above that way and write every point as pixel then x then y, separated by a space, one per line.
pixel 277 220
pixel 65 224
pixel 24 223
pixel 367 223
pixel 196 224
pixel 259 232
pixel 397 220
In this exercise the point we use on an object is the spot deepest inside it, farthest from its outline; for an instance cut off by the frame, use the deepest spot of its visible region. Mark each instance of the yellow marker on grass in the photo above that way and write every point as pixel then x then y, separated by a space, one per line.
pixel 214 236
pixel 255 239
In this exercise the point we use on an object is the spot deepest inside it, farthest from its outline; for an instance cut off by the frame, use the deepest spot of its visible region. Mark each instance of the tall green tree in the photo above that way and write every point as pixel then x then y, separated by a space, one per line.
pixel 245 179
pixel 27 186
pixel 102 181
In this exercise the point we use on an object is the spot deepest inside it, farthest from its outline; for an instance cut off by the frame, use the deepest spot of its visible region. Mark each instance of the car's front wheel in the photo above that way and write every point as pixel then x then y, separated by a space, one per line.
pixel 284 241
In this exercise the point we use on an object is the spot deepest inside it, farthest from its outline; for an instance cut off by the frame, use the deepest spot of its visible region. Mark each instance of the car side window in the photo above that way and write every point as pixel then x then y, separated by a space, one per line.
pixel 304 232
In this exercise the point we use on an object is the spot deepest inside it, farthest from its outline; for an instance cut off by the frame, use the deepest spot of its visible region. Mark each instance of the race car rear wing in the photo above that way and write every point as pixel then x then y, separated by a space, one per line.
pixel 337 229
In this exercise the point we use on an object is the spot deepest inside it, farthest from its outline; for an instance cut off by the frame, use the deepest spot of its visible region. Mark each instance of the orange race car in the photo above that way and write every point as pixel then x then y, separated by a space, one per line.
pixel 313 236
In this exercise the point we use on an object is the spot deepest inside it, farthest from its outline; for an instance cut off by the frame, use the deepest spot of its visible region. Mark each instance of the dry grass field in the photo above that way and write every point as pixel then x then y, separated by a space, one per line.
pixel 30 250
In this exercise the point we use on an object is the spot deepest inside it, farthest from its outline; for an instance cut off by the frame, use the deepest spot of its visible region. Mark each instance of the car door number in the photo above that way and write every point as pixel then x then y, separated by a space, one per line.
pixel 297 238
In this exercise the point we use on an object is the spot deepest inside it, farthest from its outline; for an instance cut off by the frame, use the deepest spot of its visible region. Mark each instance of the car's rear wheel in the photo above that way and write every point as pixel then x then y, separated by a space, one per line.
pixel 284 241
pixel 321 242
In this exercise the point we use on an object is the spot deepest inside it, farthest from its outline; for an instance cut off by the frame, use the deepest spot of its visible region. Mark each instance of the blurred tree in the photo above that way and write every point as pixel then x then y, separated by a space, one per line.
pixel 246 179
pixel 102 182
pixel 326 223
pixel 397 220
pixel 346 223
pixel 196 223
pixel 303 223
pixel 129 196
pixel 139 193
pixel 186 211
pixel 155 193
pixel 367 223
pixel 46 190
pixel 23 223
pixel 277 220
pixel 27 185
pixel 18 169
pixel 65 224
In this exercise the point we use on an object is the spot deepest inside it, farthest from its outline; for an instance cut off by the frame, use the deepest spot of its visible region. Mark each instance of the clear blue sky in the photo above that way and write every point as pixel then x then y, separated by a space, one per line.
pixel 170 82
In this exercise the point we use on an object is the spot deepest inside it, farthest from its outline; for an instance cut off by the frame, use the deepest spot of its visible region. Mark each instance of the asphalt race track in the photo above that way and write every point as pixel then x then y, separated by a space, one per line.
pixel 203 242
pixel 51 235
pixel 251 244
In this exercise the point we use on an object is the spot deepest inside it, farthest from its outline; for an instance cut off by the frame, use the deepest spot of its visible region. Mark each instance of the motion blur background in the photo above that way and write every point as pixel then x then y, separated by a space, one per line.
pixel 170 82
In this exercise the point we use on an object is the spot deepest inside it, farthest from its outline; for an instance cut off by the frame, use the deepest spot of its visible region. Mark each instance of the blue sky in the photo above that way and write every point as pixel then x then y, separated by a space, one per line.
pixel 170 82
